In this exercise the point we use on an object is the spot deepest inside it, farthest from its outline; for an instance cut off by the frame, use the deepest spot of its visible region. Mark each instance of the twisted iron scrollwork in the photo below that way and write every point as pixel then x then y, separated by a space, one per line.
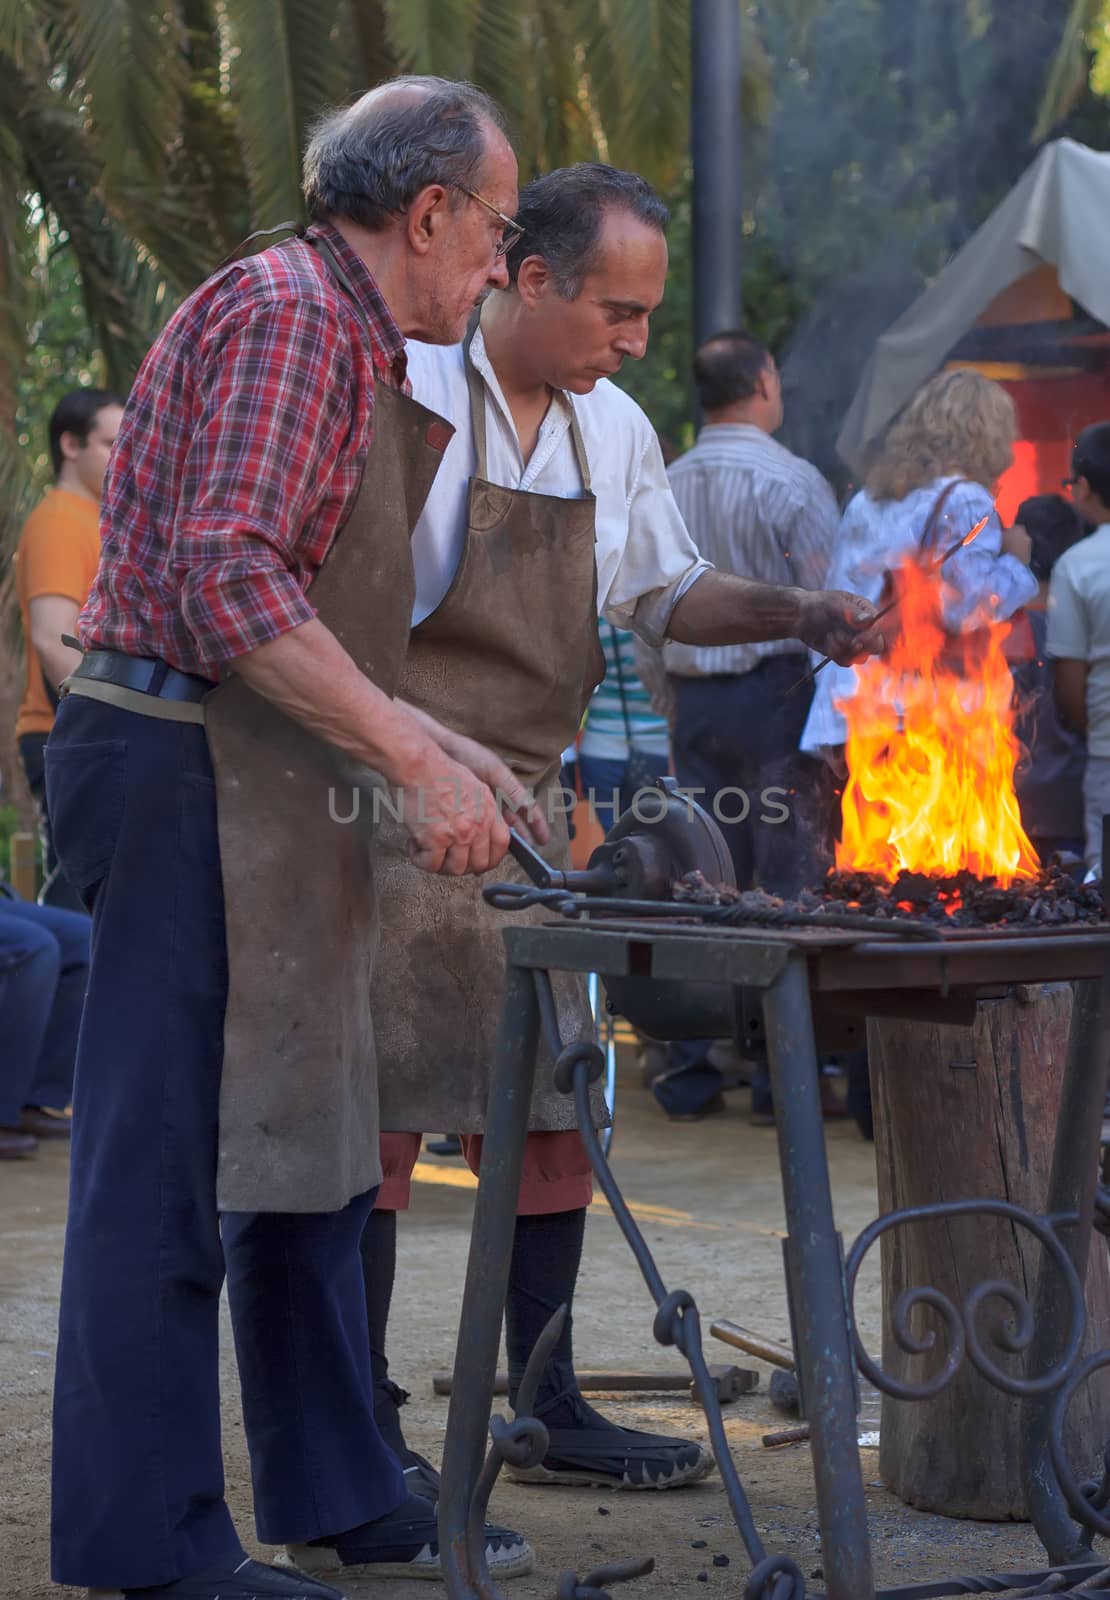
pixel 521 1441
pixel 1086 1500
pixel 1014 1335
pixel 676 1322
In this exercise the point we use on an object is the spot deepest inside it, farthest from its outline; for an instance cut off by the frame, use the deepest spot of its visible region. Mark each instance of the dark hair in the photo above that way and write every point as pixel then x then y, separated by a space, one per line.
pixel 1053 525
pixel 1091 459
pixel 727 368
pixel 562 214
pixel 76 413
pixel 369 160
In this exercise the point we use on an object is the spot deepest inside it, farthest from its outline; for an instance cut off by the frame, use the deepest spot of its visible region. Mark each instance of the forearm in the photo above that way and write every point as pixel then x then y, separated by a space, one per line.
pixel 56 659
pixel 308 675
pixel 1070 683
pixel 52 615
pixel 722 609
pixel 445 737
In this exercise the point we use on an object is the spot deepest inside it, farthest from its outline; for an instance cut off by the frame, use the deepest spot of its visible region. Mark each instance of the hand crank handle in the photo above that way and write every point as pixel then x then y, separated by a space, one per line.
pixel 598 880
pixel 527 856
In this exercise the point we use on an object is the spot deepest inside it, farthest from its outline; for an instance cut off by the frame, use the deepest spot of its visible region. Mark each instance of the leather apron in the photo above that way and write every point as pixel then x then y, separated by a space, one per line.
pixel 298 1098
pixel 510 657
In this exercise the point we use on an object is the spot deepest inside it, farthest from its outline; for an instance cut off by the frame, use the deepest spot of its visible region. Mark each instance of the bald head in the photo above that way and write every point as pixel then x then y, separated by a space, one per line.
pixel 368 161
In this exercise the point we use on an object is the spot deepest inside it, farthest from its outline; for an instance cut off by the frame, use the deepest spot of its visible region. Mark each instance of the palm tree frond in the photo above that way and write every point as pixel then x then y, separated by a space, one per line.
pixel 140 46
pixel 286 70
pixel 1070 67
pixel 430 35
pixel 376 60
pixel 20 21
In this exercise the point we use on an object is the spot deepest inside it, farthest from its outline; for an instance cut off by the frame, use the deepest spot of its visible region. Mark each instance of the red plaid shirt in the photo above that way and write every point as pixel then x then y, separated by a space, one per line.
pixel 239 458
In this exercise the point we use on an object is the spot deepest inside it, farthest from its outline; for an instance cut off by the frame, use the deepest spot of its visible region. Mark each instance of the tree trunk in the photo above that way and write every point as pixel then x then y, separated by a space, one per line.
pixel 970 1113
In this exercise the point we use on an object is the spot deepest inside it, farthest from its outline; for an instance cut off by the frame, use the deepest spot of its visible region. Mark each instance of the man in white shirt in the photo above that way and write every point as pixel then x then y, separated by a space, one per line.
pixel 551 505
pixel 1078 632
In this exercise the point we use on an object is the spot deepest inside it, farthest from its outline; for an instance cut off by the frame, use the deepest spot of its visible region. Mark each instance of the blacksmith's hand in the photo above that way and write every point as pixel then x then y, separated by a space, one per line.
pixel 840 625
pixel 516 801
pixel 452 817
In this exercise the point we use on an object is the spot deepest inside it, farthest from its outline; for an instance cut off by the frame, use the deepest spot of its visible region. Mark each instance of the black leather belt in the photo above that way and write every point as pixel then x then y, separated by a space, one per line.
pixel 143 675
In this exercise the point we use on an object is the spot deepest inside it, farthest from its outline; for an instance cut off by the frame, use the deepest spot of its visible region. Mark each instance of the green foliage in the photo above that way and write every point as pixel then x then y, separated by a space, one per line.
pixel 141 139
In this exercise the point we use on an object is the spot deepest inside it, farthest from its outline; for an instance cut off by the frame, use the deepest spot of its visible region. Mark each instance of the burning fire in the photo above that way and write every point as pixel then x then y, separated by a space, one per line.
pixel 931 750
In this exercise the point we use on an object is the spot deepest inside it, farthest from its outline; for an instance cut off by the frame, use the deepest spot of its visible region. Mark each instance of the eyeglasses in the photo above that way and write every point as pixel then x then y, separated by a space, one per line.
pixel 1068 483
pixel 512 230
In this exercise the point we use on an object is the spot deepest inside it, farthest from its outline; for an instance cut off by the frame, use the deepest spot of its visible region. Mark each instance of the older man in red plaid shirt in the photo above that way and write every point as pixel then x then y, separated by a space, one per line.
pixel 268 418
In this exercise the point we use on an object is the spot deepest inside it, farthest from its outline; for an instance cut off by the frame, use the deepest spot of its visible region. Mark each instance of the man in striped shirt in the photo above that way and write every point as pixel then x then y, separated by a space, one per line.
pixel 756 510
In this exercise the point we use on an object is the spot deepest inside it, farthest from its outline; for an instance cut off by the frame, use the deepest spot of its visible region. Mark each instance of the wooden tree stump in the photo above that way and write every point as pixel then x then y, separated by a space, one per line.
pixel 967 1113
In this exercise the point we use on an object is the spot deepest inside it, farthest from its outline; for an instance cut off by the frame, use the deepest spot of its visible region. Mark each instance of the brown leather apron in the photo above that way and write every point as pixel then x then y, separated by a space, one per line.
pixel 298 1098
pixel 510 657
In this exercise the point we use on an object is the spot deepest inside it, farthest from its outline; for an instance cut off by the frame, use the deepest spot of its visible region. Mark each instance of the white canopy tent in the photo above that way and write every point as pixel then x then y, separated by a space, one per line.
pixel 1057 216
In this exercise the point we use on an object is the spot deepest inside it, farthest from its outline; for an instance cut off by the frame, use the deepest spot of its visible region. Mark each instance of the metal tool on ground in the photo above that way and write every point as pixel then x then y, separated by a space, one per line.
pixel 729 1383
pixel 798 1435
pixel 884 611
pixel 754 1344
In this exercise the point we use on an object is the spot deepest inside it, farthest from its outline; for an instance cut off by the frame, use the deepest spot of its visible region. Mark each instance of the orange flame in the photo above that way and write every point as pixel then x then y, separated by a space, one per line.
pixel 931 750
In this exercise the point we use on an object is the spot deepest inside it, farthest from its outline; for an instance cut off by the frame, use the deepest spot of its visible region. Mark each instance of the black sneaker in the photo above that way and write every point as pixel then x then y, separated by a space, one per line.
pixel 587 1450
pixel 405 1544
pixel 250 1580
pixel 421 1477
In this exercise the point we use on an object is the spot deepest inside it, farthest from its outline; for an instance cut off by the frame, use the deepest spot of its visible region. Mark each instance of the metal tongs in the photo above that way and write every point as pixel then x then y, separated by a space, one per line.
pixel 884 611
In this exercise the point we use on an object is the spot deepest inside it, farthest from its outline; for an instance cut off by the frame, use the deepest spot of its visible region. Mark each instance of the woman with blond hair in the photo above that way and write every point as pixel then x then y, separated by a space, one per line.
pixel 933 480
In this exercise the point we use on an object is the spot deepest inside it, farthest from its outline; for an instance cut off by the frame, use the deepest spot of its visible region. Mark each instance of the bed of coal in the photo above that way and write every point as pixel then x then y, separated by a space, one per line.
pixel 1054 898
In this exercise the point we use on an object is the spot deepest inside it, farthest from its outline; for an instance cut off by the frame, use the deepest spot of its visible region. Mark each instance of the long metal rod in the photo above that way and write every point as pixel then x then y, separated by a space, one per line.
pixel 716 130
pixel 819 1303
pixel 1071 1188
pixel 487 1278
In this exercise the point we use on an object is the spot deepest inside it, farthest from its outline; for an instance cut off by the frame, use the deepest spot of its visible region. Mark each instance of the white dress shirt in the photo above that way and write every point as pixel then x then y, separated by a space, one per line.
pixel 646 559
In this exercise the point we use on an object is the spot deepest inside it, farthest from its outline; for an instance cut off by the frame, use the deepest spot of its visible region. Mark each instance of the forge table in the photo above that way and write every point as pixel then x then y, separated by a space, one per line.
pixel 795 971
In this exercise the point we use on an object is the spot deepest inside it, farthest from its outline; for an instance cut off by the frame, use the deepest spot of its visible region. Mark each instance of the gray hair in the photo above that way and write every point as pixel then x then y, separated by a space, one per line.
pixel 562 215
pixel 370 160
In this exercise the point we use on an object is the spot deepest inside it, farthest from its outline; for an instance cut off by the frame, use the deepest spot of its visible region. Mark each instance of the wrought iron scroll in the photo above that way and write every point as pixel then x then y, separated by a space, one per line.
pixel 676 1321
pixel 522 1442
pixel 1087 1500
pixel 961 1323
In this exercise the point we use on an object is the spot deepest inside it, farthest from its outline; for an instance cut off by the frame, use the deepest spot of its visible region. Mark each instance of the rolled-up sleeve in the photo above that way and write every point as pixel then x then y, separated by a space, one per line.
pixel 659 561
pixel 274 412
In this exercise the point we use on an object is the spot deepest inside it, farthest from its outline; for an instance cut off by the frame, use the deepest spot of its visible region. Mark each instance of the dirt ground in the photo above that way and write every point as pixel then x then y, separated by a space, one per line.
pixel 708 1197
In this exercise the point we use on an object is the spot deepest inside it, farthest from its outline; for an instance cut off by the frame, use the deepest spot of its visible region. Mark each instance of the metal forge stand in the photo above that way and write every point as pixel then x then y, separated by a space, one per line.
pixel 795 970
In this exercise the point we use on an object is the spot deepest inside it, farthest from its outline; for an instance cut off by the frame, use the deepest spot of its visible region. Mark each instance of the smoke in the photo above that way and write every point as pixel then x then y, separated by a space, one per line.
pixel 896 130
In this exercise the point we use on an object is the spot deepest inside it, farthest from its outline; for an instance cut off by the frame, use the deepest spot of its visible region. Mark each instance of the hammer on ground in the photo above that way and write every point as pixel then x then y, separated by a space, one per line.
pixel 729 1383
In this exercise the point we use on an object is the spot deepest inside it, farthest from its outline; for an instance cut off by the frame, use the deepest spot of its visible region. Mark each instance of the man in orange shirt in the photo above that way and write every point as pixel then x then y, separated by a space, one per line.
pixel 56 561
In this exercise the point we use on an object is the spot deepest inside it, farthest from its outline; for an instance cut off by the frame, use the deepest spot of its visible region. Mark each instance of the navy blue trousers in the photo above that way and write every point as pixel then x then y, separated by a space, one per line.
pixel 138 1490
pixel 44 965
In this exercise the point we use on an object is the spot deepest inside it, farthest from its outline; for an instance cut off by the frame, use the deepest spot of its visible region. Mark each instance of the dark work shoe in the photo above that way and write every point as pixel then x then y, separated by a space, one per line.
pixel 421 1477
pixel 689 1093
pixel 250 1580
pixel 587 1450
pixel 405 1544
pixel 16 1145
pixel 449 1145
pixel 42 1123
